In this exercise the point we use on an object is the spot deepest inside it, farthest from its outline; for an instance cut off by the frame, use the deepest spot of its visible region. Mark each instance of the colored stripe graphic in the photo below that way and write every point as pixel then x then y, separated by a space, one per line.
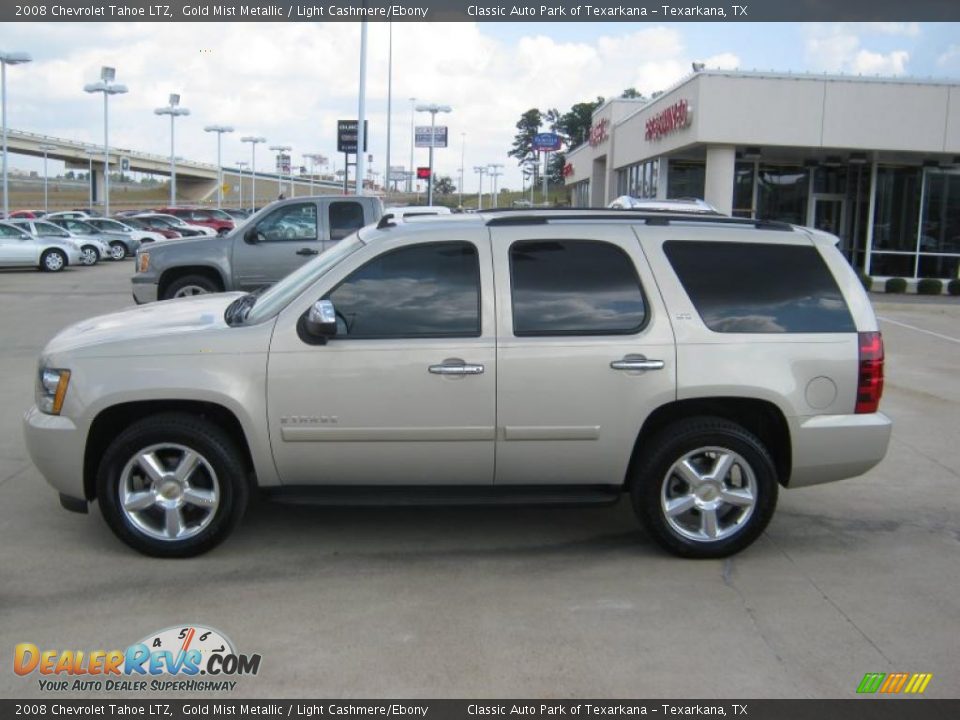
pixel 918 683
pixel 893 683
pixel 871 682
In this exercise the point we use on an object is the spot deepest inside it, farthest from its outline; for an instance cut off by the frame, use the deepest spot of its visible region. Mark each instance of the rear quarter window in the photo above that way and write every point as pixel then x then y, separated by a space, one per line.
pixel 760 287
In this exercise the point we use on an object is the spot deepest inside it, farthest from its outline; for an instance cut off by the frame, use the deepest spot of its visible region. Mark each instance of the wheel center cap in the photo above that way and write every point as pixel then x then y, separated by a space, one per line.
pixel 707 492
pixel 170 490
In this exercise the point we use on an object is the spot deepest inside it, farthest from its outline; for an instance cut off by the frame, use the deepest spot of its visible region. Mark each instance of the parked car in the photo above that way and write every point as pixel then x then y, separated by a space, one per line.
pixel 19 248
pixel 502 357
pixel 92 248
pixel 121 246
pixel 217 220
pixel 154 226
pixel 72 214
pixel 180 225
pixel 237 214
pixel 110 225
pixel 272 243
pixel 27 214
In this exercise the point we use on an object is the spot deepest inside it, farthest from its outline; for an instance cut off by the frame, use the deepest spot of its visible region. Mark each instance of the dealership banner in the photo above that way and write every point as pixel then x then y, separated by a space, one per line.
pixel 466 11
pixel 168 709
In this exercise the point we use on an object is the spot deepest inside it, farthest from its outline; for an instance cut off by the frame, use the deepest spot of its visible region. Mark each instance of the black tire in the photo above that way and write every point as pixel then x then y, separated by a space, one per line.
pixel 53 261
pixel 118 251
pixel 181 285
pixel 651 487
pixel 194 433
pixel 223 232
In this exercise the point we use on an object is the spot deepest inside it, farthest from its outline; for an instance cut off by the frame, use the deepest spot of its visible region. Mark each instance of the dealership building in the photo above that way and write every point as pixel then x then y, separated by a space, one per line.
pixel 875 161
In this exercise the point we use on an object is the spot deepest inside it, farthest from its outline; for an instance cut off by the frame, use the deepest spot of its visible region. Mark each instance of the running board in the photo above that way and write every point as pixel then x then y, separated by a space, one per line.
pixel 444 496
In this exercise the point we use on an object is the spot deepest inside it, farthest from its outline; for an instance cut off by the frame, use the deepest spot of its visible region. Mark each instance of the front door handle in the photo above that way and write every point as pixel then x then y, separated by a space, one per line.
pixel 449 368
pixel 637 362
pixel 307 251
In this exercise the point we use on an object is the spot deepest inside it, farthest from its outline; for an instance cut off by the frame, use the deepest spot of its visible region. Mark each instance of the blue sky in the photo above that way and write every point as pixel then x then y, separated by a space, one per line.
pixel 291 81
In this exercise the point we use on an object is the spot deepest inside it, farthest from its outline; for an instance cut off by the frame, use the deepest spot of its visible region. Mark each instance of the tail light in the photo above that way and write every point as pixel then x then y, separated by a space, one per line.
pixel 870 380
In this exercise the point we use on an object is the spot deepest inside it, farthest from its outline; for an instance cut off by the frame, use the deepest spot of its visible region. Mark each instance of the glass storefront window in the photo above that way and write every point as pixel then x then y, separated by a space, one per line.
pixel 940 229
pixel 638 180
pixel 580 194
pixel 938 266
pixel 743 190
pixel 830 180
pixel 685 179
pixel 783 193
pixel 897 210
pixel 888 264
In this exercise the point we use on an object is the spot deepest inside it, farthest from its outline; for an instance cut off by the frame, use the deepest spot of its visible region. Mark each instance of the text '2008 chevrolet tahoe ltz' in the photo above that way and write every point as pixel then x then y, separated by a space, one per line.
pixel 695 363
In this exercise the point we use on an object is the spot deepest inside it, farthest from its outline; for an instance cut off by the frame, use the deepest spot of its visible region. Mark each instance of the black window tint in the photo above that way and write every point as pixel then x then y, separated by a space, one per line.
pixel 420 291
pixel 760 288
pixel 574 287
pixel 345 217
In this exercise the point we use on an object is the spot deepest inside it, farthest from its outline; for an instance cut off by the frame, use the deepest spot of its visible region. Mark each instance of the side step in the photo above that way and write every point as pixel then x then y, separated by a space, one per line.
pixel 444 496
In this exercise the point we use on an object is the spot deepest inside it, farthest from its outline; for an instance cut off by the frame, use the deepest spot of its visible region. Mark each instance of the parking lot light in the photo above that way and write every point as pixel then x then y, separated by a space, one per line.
pixel 46 149
pixel 433 109
pixel 481 170
pixel 7 58
pixel 108 87
pixel 241 164
pixel 219 130
pixel 173 110
pixel 253 140
pixel 280 149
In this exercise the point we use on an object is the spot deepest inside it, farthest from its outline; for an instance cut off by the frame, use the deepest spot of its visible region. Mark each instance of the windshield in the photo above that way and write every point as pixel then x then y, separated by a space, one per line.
pixel 280 295
pixel 109 225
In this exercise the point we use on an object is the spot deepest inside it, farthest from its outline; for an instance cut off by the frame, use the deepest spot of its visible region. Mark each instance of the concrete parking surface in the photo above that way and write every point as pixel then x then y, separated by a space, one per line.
pixel 854 577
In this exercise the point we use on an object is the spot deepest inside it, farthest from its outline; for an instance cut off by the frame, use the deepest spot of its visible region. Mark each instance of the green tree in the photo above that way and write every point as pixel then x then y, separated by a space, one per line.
pixel 527 128
pixel 632 94
pixel 444 185
pixel 574 125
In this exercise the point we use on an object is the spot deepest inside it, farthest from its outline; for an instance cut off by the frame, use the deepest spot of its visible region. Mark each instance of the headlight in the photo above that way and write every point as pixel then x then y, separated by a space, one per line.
pixel 52 389
pixel 143 261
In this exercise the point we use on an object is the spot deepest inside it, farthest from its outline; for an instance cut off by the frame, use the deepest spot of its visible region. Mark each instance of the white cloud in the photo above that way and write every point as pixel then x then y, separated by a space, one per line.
pixel 838 48
pixel 949 57
pixel 870 63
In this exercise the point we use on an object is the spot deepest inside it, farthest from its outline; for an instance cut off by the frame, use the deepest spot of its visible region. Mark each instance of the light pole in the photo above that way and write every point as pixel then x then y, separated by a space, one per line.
pixel 389 106
pixel 362 111
pixel 494 172
pixel 412 142
pixel 241 164
pixel 463 149
pixel 91 152
pixel 433 109
pixel 108 88
pixel 280 149
pixel 219 130
pixel 173 110
pixel 253 140
pixel 7 58
pixel 481 170
pixel 46 149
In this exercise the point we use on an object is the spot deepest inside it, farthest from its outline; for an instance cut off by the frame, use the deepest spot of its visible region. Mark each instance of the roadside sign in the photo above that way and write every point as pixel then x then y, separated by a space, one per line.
pixel 283 164
pixel 398 173
pixel 347 131
pixel 423 173
pixel 547 142
pixel 124 164
pixel 427 136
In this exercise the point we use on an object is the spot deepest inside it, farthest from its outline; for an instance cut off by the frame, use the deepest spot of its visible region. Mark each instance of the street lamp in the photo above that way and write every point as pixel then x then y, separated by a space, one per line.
pixel 91 152
pixel 219 130
pixel 412 144
pixel 433 109
pixel 481 170
pixel 173 110
pixel 280 149
pixel 46 149
pixel 7 58
pixel 106 86
pixel 494 172
pixel 253 140
pixel 463 149
pixel 241 164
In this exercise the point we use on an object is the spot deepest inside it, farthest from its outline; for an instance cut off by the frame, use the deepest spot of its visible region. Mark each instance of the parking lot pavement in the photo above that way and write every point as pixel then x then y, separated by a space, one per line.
pixel 854 577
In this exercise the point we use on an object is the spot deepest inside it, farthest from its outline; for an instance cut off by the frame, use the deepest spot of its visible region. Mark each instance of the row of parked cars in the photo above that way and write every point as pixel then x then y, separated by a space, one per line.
pixel 53 241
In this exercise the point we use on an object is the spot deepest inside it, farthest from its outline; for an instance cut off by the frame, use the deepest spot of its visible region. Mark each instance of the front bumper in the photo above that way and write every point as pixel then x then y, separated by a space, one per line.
pixel 144 289
pixel 835 447
pixel 56 447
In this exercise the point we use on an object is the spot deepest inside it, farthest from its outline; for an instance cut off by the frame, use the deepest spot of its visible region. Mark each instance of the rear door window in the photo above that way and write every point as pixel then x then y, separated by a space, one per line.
pixel 760 287
pixel 345 217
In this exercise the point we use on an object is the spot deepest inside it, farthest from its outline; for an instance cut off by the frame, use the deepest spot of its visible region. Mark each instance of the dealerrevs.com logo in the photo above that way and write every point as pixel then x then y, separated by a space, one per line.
pixel 173 659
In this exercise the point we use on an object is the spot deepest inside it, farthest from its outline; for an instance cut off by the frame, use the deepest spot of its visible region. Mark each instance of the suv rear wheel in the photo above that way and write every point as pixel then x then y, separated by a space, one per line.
pixel 172 485
pixel 706 489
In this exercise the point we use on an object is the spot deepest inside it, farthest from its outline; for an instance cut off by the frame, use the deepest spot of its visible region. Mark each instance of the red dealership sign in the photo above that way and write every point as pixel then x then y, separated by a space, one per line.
pixel 599 132
pixel 676 117
pixel 568 170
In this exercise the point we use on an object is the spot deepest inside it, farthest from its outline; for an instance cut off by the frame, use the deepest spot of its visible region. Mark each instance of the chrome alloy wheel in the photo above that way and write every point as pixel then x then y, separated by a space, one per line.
pixel 190 291
pixel 89 255
pixel 169 492
pixel 708 494
pixel 53 261
pixel 118 251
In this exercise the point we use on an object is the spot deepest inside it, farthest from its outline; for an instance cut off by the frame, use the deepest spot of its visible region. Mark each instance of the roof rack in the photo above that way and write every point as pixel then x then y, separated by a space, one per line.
pixel 649 217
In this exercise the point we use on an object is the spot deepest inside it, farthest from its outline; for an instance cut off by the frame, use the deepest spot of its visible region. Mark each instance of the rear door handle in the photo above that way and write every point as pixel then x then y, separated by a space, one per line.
pixel 307 251
pixel 637 362
pixel 456 369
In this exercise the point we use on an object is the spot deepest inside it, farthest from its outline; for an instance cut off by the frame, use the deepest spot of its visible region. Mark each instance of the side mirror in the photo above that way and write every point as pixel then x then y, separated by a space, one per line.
pixel 252 237
pixel 319 323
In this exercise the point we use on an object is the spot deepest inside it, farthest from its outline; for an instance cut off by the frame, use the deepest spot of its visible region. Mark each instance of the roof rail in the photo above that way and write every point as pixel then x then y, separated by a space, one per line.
pixel 647 217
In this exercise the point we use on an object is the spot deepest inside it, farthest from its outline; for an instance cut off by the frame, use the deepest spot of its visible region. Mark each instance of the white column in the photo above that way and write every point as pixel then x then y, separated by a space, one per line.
pixel 718 181
pixel 871 210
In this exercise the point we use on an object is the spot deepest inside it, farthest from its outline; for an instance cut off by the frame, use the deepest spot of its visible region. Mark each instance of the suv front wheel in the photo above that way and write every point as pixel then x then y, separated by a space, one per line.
pixel 172 485
pixel 706 488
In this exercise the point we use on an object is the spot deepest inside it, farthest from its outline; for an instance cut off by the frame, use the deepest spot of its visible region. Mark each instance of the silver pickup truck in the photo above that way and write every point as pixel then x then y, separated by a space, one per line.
pixel 268 246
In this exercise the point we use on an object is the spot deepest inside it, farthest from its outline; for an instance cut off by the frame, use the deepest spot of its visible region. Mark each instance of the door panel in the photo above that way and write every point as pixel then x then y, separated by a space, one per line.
pixel 290 236
pixel 383 411
pixel 564 413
